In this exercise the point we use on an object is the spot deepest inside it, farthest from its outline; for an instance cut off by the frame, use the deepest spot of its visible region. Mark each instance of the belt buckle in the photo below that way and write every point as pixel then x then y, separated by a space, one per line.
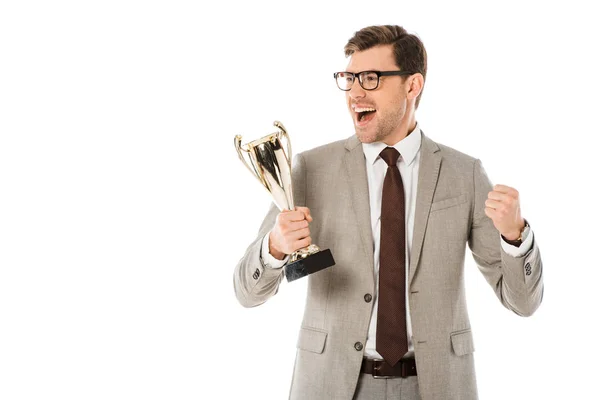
pixel 376 367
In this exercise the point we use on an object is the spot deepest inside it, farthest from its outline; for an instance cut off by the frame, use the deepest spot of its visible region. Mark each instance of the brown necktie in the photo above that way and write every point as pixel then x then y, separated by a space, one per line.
pixel 391 340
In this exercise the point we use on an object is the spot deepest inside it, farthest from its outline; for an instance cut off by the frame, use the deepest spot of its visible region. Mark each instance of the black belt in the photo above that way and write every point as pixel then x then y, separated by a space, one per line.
pixel 381 369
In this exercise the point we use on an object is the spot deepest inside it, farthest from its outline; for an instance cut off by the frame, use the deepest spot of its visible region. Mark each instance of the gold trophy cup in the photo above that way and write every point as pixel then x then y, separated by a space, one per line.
pixel 272 166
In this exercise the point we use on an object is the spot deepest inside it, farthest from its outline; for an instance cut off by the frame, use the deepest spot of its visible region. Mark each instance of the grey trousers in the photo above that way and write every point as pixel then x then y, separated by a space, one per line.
pixel 369 388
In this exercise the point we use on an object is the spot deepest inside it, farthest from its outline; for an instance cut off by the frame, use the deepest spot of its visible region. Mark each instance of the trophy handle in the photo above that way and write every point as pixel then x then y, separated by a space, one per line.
pixel 283 133
pixel 237 141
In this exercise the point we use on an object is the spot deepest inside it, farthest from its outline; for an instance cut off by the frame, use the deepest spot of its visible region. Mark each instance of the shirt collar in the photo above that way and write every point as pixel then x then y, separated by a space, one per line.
pixel 407 147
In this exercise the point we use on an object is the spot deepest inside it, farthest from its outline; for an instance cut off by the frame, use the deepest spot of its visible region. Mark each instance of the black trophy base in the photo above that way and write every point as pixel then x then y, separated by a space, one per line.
pixel 309 265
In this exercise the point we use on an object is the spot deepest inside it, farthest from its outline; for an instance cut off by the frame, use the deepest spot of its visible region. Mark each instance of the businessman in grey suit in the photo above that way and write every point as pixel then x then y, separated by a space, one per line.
pixel 389 320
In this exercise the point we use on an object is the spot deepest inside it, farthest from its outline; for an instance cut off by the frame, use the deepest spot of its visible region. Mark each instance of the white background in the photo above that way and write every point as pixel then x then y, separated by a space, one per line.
pixel 124 208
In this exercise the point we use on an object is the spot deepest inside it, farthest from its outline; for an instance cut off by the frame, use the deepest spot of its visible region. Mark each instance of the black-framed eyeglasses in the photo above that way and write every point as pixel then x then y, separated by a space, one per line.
pixel 369 80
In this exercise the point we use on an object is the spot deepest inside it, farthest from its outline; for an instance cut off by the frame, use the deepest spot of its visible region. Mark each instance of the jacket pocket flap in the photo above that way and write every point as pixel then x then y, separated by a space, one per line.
pixel 311 340
pixel 462 342
pixel 447 203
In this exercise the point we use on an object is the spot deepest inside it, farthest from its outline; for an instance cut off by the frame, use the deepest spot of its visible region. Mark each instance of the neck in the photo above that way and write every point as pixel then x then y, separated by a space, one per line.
pixel 406 126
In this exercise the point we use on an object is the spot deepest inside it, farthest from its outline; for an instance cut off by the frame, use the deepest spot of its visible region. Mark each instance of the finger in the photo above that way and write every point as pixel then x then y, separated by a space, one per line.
pixel 490 212
pixel 506 202
pixel 299 234
pixel 303 243
pixel 494 204
pixel 292 216
pixel 297 225
pixel 495 195
pixel 306 212
pixel 512 192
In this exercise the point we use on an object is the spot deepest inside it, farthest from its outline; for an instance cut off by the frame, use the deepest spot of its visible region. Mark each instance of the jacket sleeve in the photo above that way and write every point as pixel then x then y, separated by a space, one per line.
pixel 517 281
pixel 254 282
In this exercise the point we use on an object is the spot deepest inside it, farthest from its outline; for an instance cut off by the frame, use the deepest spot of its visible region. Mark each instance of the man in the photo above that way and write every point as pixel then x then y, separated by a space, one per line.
pixel 396 209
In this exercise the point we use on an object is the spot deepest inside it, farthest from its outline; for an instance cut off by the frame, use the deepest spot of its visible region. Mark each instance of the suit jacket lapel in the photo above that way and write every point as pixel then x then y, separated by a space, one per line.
pixel 429 169
pixel 356 179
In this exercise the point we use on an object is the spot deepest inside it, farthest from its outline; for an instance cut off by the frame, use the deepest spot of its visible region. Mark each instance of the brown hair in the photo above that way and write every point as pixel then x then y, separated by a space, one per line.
pixel 409 51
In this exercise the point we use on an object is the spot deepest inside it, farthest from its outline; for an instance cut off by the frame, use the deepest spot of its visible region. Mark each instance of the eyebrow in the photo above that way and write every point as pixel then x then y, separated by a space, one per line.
pixel 364 70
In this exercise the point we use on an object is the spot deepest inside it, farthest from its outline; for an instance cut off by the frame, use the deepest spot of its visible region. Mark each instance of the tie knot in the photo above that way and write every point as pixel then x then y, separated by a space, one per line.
pixel 390 155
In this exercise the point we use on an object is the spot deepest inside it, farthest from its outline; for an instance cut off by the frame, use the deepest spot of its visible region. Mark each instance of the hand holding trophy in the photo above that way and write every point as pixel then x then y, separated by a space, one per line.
pixel 272 166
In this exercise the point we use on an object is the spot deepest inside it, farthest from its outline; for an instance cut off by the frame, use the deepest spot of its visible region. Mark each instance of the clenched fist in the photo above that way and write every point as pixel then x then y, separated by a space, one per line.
pixel 502 206
pixel 290 232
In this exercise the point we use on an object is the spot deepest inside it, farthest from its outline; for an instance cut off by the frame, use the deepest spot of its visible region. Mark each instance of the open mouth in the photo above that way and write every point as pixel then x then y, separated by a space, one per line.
pixel 364 115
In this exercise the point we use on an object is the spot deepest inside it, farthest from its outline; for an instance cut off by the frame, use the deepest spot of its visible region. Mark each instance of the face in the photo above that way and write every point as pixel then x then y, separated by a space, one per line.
pixel 389 99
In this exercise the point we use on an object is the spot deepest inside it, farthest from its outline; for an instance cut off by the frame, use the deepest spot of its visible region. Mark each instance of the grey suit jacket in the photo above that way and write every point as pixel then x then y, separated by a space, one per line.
pixel 331 180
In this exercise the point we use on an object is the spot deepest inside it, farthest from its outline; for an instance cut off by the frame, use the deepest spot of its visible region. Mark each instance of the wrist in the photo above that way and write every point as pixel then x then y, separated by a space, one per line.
pixel 274 252
pixel 516 238
pixel 515 234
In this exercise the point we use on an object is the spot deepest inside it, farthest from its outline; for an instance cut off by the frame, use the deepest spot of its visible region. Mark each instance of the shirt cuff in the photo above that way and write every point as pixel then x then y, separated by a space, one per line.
pixel 522 249
pixel 268 260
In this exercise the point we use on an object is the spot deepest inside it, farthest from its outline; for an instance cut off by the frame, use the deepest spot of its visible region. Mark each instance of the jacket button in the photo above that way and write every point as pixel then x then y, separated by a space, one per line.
pixel 358 346
pixel 368 297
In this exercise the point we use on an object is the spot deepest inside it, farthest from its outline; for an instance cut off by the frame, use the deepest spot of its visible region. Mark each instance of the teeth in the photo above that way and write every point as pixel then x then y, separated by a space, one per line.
pixel 358 109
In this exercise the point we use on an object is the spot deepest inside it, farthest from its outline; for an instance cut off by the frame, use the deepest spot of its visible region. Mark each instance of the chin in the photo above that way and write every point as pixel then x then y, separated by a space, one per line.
pixel 365 138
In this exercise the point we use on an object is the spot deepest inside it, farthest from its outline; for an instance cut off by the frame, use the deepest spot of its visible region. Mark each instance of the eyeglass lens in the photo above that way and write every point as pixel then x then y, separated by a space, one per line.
pixel 368 80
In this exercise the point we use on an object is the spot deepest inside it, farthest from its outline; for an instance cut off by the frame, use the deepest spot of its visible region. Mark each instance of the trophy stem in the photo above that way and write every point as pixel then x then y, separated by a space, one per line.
pixel 304 252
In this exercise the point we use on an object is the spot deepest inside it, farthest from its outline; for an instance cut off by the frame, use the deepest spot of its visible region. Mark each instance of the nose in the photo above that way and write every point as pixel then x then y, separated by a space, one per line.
pixel 356 91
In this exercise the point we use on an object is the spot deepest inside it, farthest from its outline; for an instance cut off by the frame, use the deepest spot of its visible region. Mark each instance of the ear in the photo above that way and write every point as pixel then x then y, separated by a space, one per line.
pixel 414 85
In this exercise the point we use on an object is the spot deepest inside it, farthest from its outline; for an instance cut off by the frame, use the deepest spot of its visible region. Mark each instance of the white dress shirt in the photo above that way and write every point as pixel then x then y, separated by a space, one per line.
pixel 408 164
